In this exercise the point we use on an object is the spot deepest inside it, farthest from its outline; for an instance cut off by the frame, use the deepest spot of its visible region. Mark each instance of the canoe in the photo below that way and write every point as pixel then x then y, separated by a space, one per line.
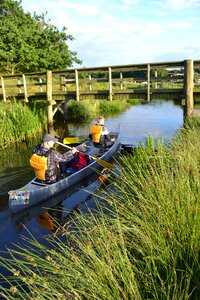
pixel 34 192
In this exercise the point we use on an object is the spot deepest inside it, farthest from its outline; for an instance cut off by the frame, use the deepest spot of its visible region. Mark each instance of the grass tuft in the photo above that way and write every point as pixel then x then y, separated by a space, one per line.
pixel 18 123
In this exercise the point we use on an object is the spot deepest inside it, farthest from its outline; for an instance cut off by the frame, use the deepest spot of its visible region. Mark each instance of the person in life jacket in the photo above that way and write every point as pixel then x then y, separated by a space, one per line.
pixel 99 134
pixel 45 160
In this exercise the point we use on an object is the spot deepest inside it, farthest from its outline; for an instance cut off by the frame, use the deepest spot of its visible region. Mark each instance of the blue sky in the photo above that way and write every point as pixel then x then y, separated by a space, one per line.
pixel 117 32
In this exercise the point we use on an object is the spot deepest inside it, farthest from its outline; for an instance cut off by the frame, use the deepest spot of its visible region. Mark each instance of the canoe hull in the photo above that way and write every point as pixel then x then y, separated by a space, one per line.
pixel 32 194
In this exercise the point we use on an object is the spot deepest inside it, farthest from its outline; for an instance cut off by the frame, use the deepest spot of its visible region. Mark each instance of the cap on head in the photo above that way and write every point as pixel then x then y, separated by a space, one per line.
pixel 48 137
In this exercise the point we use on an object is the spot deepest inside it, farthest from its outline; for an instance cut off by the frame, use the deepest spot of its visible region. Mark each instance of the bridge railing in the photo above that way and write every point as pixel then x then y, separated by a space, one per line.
pixel 109 82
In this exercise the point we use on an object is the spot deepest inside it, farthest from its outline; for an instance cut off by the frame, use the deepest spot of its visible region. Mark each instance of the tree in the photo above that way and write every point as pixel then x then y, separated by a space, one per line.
pixel 29 43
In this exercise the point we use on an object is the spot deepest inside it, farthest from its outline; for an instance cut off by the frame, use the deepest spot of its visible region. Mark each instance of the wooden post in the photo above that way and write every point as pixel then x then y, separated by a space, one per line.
pixel 40 81
pixel 62 83
pixel 90 84
pixel 19 85
pixel 110 83
pixel 25 88
pixel 49 99
pixel 3 89
pixel 77 87
pixel 188 87
pixel 121 83
pixel 156 75
pixel 148 82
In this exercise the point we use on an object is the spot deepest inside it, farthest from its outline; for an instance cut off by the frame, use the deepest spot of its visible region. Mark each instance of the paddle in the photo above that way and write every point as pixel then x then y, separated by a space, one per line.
pixel 100 161
pixel 71 140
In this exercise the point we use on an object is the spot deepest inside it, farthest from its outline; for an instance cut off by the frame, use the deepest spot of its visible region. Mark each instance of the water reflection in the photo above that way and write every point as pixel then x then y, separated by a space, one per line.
pixel 52 219
pixel 68 200
pixel 58 217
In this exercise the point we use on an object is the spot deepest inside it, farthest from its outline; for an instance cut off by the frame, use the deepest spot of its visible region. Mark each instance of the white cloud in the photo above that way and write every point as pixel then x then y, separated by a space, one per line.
pixel 180 4
pixel 180 25
pixel 131 2
pixel 82 9
pixel 107 17
pixel 126 31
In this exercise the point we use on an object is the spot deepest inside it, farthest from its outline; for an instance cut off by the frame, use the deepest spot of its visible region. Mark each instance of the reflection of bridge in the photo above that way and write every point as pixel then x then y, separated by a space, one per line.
pixel 179 79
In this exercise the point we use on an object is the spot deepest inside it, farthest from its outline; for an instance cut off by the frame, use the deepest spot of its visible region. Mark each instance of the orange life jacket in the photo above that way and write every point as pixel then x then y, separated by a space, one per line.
pixel 39 163
pixel 45 220
pixel 96 131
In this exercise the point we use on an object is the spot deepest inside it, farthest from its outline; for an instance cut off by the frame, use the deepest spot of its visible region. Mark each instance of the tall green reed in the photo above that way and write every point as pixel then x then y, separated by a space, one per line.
pixel 142 244
pixel 113 106
pixel 86 110
pixel 18 122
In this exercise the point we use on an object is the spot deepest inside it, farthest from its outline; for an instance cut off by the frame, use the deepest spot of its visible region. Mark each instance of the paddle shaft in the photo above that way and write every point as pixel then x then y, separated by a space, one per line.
pixel 63 145
pixel 100 161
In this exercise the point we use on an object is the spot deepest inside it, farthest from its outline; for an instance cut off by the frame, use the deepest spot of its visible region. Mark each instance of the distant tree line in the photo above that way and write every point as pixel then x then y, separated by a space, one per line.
pixel 29 43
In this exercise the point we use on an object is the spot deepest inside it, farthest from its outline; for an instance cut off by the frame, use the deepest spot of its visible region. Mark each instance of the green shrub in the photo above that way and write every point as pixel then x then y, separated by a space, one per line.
pixel 114 106
pixel 133 101
pixel 77 111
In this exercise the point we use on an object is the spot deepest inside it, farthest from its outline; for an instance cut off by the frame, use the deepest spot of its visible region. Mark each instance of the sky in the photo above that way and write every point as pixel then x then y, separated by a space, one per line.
pixel 120 32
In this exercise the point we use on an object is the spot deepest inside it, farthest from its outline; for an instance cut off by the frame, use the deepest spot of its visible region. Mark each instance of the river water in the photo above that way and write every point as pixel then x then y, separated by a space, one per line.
pixel 158 118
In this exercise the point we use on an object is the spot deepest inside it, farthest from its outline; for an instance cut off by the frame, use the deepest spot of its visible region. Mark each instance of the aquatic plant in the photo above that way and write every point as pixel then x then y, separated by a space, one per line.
pixel 106 107
pixel 86 110
pixel 142 244
pixel 133 101
pixel 78 111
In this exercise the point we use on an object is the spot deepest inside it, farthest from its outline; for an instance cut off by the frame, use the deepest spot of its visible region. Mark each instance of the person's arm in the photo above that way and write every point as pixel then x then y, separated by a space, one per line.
pixel 62 157
pixel 105 131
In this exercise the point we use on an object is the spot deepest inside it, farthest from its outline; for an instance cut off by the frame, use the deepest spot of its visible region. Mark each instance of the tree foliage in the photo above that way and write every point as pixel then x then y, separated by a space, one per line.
pixel 29 43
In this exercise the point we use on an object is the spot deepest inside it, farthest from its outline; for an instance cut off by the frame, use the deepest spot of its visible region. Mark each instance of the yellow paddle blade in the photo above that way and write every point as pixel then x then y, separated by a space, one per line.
pixel 104 163
pixel 71 140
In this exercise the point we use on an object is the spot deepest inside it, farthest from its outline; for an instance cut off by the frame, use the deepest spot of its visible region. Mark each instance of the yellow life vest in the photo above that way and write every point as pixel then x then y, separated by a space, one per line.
pixel 39 163
pixel 96 131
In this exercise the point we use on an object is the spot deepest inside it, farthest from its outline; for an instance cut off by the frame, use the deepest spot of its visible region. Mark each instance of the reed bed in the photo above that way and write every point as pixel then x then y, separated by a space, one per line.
pixel 79 111
pixel 86 110
pixel 113 106
pixel 141 243
pixel 18 122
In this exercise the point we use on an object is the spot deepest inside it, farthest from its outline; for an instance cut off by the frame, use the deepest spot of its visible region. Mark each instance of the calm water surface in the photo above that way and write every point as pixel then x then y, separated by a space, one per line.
pixel 158 118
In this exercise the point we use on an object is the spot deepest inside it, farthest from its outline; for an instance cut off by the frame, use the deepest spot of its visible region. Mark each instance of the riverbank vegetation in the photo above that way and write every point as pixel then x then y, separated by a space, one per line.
pixel 19 122
pixel 142 243
pixel 89 109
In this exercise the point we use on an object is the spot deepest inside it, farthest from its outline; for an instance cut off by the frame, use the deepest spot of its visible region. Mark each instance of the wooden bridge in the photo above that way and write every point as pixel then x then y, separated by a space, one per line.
pixel 181 80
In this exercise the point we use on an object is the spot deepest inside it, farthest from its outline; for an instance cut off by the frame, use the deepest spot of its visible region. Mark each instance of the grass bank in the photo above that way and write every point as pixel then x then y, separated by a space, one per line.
pixel 86 110
pixel 20 122
pixel 142 244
